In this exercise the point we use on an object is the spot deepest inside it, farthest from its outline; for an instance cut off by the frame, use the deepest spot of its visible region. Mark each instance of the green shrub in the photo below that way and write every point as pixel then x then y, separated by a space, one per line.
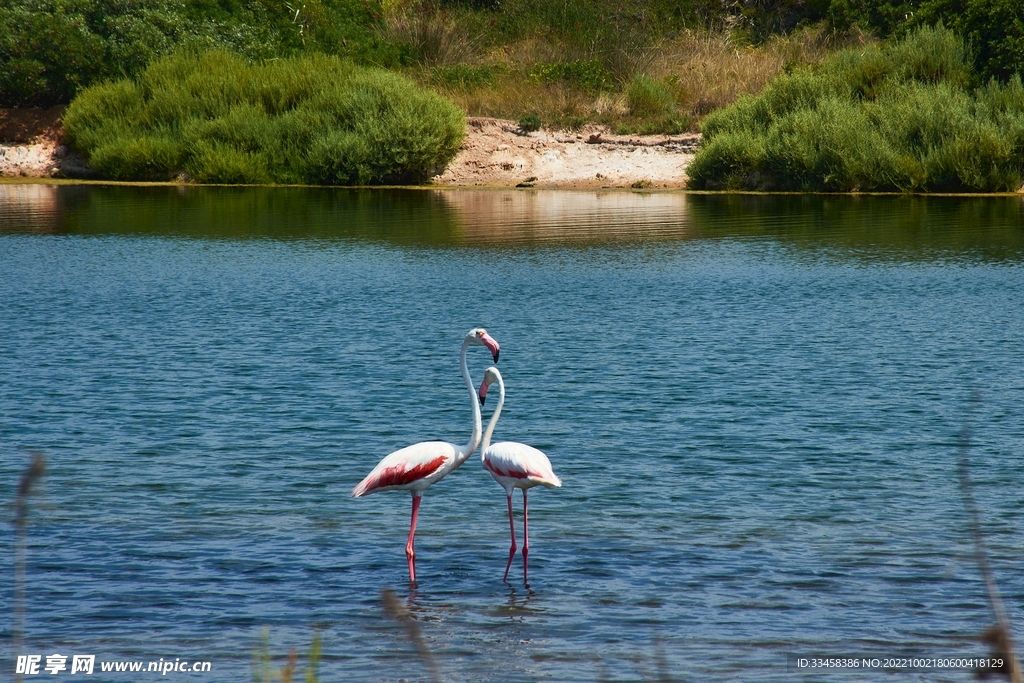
pixel 50 49
pixel 883 17
pixel 993 29
pixel 648 97
pixel 929 55
pixel 55 47
pixel 897 117
pixel 764 18
pixel 137 158
pixel 300 120
pixel 530 123
pixel 730 161
pixel 589 76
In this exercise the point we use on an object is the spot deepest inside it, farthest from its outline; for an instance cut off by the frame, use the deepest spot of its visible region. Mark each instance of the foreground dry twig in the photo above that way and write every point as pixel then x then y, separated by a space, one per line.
pixel 1000 636
pixel 35 471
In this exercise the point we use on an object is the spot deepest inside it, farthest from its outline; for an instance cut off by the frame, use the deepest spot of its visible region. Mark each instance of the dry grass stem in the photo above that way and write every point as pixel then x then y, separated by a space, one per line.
pixel 289 668
pixel 708 70
pixel 435 34
pixel 704 70
pixel 263 672
pixel 34 472
pixel 1000 636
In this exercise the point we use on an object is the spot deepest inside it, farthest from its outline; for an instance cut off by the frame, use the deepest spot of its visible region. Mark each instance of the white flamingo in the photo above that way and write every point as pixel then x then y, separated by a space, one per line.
pixel 415 468
pixel 515 466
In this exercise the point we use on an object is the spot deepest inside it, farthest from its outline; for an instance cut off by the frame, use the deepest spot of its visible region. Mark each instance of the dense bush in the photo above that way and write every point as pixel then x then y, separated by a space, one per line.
pixel 895 117
pixel 652 109
pixel 621 33
pixel 993 29
pixel 219 119
pixel 50 49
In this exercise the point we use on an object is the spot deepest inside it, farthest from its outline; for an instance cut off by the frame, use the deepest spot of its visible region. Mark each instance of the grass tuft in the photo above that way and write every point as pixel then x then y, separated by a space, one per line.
pixel 34 472
pixel 435 36
pixel 530 123
pixel 263 671
pixel 647 97
pixel 463 77
pixel 589 76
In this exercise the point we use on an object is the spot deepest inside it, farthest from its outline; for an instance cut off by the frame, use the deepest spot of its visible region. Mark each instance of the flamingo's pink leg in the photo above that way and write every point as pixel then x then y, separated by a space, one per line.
pixel 512 528
pixel 410 552
pixel 526 540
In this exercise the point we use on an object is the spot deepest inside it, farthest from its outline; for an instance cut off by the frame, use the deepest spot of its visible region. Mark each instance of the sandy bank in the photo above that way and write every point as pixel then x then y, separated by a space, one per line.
pixel 495 154
pixel 32 146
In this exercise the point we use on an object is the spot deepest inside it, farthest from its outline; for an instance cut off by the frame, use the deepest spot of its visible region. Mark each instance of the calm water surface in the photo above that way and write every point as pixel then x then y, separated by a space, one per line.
pixel 754 404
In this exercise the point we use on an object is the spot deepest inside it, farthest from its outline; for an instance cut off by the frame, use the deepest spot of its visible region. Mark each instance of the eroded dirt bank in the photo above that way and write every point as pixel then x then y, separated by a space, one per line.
pixel 497 154
pixel 31 145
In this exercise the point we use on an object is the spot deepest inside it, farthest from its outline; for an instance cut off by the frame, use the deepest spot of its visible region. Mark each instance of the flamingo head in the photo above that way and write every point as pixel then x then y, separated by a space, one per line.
pixel 491 375
pixel 478 335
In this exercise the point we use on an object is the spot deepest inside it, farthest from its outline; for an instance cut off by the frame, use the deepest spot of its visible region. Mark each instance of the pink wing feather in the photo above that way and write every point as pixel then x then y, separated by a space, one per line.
pixel 412 467
pixel 519 461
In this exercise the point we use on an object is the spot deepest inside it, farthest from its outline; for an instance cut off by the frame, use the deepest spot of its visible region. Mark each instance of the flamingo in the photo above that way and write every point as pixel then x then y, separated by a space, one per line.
pixel 514 466
pixel 415 468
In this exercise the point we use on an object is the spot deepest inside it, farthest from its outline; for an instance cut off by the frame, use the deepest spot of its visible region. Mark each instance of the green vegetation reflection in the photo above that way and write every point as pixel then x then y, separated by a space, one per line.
pixel 403 217
pixel 864 227
pixel 870 227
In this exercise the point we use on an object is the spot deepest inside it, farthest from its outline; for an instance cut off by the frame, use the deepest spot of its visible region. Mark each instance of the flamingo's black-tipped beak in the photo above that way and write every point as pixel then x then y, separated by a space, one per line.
pixel 489 342
pixel 482 394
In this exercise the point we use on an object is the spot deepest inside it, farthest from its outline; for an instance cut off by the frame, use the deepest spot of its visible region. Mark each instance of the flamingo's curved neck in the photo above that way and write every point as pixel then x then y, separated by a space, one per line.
pixel 474 439
pixel 494 418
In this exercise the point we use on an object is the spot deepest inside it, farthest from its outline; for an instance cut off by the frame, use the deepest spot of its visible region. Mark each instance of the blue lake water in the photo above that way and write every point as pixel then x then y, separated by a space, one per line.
pixel 754 404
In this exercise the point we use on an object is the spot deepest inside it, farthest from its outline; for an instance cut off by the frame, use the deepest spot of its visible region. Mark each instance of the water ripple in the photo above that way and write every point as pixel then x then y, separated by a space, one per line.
pixel 753 403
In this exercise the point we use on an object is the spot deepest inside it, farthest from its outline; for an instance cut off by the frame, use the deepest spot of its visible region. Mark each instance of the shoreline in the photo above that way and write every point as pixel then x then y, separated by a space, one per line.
pixel 494 154
pixel 50 181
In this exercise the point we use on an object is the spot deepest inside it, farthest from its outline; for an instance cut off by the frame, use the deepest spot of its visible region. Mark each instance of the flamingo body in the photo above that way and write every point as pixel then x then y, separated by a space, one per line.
pixel 413 468
pixel 516 465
